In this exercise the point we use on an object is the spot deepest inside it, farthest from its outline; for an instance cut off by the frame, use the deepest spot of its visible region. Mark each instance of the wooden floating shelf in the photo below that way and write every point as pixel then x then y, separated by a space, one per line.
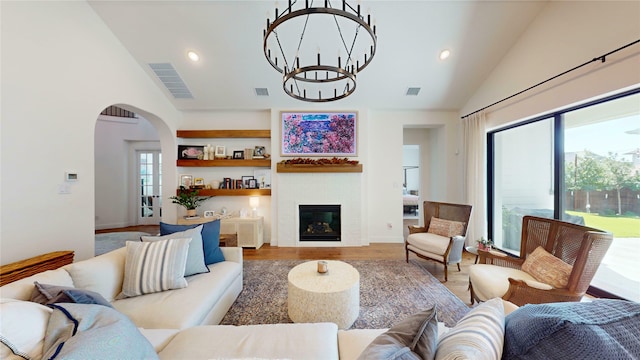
pixel 313 168
pixel 233 192
pixel 223 134
pixel 225 162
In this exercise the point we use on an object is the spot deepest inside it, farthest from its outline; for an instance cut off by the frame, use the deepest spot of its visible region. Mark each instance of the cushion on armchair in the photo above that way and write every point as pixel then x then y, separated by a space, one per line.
pixel 490 281
pixel 447 228
pixel 547 268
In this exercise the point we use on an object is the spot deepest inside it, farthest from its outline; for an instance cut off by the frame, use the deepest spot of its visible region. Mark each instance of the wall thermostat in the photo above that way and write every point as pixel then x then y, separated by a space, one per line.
pixel 71 176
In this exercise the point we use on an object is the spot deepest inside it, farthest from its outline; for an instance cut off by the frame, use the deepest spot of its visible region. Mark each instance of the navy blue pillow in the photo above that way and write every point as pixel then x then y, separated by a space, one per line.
pixel 210 238
pixel 80 296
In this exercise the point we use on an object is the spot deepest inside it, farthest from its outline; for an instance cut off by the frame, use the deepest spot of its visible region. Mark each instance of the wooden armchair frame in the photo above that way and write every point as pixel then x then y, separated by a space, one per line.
pixel 580 246
pixel 446 211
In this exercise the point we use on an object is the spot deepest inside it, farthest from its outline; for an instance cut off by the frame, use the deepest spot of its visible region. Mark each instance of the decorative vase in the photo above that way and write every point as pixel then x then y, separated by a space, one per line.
pixel 191 212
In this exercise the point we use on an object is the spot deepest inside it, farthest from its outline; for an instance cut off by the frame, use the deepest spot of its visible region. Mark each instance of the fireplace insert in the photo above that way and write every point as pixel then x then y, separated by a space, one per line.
pixel 319 222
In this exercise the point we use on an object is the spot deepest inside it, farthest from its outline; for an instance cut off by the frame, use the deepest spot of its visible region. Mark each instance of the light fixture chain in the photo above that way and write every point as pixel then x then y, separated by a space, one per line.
pixel 281 51
pixel 344 43
pixel 304 29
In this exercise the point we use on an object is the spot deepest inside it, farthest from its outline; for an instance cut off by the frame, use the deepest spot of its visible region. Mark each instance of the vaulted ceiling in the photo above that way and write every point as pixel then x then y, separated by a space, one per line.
pixel 228 37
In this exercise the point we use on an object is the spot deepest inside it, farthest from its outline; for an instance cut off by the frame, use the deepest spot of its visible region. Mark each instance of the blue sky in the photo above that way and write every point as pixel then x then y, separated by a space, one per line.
pixel 604 137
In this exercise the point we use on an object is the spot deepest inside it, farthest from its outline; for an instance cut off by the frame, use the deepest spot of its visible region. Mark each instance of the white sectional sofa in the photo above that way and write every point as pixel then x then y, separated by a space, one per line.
pixel 182 324
pixel 205 300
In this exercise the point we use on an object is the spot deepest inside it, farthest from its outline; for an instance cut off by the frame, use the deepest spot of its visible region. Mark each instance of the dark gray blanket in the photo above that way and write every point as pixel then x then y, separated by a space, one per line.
pixel 602 329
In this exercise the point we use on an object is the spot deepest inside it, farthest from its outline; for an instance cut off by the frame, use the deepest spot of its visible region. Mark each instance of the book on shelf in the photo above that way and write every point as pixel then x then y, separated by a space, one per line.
pixel 192 217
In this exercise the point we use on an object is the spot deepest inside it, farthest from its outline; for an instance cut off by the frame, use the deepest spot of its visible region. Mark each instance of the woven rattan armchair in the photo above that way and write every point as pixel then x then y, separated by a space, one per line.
pixel 579 246
pixel 445 250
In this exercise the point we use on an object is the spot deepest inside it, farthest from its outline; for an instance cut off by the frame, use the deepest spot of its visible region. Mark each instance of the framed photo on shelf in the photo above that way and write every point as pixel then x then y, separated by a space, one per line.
pixel 263 178
pixel 245 182
pixel 318 133
pixel 258 152
pixel 198 181
pixel 220 152
pixel 238 154
pixel 253 184
pixel 190 152
pixel 186 180
pixel 209 213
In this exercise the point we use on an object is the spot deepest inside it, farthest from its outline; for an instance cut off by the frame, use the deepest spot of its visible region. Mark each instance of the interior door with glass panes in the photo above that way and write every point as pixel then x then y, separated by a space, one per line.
pixel 149 187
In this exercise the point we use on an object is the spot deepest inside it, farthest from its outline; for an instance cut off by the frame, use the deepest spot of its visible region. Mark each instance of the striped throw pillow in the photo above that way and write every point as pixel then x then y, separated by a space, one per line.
pixel 154 266
pixel 478 335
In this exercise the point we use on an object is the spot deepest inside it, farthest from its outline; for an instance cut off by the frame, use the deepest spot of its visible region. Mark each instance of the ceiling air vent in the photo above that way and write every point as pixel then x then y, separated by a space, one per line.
pixel 171 80
pixel 262 92
pixel 413 91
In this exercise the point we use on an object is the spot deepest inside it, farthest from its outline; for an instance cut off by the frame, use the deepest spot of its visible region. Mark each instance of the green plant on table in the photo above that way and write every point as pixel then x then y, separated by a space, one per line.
pixel 482 242
pixel 188 198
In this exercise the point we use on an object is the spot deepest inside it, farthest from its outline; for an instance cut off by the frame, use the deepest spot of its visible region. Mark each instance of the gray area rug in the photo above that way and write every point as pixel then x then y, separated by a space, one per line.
pixel 390 290
pixel 114 240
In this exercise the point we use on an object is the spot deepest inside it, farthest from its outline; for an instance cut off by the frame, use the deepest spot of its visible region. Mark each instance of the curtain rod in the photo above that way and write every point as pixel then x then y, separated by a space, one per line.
pixel 601 58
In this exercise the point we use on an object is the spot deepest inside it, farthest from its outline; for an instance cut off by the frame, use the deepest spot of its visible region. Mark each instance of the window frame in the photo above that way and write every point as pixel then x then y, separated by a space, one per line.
pixel 558 164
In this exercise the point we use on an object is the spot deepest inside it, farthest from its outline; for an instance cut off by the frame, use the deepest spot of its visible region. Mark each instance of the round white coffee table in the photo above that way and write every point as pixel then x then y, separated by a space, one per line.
pixel 330 297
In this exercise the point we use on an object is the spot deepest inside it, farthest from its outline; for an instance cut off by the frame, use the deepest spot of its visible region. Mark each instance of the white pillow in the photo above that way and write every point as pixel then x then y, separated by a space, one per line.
pixel 103 274
pixel 479 335
pixel 195 257
pixel 154 266
pixel 23 325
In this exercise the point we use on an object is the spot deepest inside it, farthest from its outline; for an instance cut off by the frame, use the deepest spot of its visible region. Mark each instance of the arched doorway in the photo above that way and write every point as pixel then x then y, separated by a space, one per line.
pixel 128 169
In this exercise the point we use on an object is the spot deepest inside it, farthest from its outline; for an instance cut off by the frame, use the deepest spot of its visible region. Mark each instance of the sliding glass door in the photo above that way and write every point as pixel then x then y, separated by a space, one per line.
pixel 580 165
pixel 523 179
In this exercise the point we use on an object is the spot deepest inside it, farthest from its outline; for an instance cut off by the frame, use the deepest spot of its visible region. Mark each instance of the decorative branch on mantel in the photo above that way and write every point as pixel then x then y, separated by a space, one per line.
pixel 323 161
pixel 306 165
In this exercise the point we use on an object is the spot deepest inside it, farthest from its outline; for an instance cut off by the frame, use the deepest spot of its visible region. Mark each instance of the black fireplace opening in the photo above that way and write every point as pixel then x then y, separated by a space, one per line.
pixel 319 222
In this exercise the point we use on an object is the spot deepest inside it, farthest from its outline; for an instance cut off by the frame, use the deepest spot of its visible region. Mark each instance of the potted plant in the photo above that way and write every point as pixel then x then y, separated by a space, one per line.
pixel 189 199
pixel 484 244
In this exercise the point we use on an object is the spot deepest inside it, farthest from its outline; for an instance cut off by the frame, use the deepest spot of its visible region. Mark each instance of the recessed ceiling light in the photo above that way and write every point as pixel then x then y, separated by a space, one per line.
pixel 444 54
pixel 193 56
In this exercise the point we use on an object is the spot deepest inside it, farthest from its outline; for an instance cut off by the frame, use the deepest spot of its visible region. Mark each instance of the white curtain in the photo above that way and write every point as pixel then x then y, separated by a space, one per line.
pixel 475 177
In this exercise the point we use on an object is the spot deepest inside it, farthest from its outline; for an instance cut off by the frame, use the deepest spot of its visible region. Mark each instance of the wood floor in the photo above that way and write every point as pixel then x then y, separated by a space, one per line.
pixel 458 280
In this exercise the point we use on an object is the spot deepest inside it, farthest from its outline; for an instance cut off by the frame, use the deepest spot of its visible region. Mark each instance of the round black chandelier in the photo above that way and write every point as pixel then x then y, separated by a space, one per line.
pixel 306 44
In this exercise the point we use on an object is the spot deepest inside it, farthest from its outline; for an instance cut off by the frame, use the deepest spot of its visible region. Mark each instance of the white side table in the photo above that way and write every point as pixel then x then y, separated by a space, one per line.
pixel 473 250
pixel 330 297
pixel 250 230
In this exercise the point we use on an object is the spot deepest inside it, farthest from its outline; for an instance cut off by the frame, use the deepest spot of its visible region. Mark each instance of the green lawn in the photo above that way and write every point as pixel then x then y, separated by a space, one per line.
pixel 622 227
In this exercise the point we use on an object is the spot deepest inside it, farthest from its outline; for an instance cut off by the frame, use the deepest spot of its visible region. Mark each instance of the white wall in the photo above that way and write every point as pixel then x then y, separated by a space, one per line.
pixel 565 34
pixel 384 168
pixel 116 140
pixel 60 67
